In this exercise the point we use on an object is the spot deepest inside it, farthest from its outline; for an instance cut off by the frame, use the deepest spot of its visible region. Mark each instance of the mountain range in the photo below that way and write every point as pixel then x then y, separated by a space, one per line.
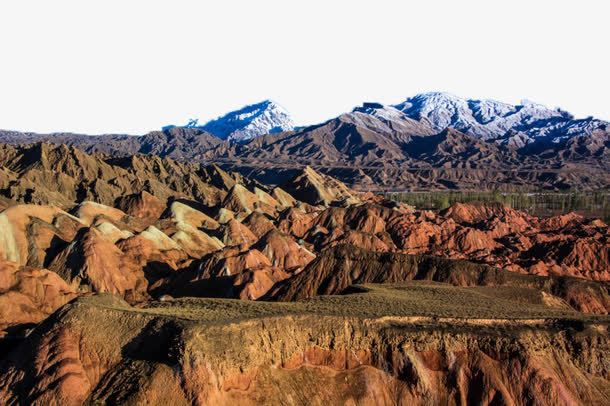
pixel 137 279
pixel 429 141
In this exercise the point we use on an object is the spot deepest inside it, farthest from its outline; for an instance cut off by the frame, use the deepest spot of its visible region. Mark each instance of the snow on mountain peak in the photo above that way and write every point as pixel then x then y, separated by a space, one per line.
pixel 379 110
pixel 490 119
pixel 251 121
pixel 425 113
pixel 441 109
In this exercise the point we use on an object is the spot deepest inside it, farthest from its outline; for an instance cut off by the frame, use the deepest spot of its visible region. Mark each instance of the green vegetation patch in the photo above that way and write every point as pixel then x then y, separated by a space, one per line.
pixel 541 204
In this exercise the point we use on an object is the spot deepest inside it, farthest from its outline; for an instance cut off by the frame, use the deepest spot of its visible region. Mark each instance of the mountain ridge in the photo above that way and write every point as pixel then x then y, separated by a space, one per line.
pixel 490 119
pixel 445 136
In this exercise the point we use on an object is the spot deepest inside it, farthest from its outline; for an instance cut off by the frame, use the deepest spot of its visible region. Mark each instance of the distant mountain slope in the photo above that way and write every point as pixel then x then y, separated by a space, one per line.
pixel 177 143
pixel 62 175
pixel 380 136
pixel 430 141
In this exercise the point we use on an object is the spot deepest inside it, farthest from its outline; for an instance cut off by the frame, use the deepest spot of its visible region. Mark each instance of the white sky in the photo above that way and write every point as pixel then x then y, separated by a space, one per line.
pixel 134 66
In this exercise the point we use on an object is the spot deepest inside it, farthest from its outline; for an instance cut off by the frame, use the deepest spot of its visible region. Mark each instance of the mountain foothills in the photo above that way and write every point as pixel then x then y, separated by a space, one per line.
pixel 429 141
pixel 141 279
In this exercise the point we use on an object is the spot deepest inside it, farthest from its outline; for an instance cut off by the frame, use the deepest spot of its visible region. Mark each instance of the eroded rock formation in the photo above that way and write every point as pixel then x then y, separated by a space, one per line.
pixel 475 303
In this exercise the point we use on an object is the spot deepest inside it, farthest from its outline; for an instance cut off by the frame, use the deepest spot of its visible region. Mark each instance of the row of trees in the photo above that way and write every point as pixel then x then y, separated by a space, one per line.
pixel 590 204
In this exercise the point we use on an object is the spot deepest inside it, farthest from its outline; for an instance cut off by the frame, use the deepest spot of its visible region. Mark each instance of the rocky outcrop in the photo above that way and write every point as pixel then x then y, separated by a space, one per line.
pixel 295 221
pixel 25 239
pixel 336 269
pixel 28 295
pixel 235 233
pixel 259 224
pixel 64 176
pixel 93 263
pixel 184 214
pixel 230 273
pixel 90 212
pixel 282 197
pixel 196 353
pixel 315 188
pixel 283 251
pixel 500 236
pixel 141 205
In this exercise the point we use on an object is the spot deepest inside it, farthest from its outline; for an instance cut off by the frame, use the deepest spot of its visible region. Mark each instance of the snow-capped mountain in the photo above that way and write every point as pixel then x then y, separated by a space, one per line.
pixel 423 114
pixel 490 119
pixel 443 136
pixel 262 118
